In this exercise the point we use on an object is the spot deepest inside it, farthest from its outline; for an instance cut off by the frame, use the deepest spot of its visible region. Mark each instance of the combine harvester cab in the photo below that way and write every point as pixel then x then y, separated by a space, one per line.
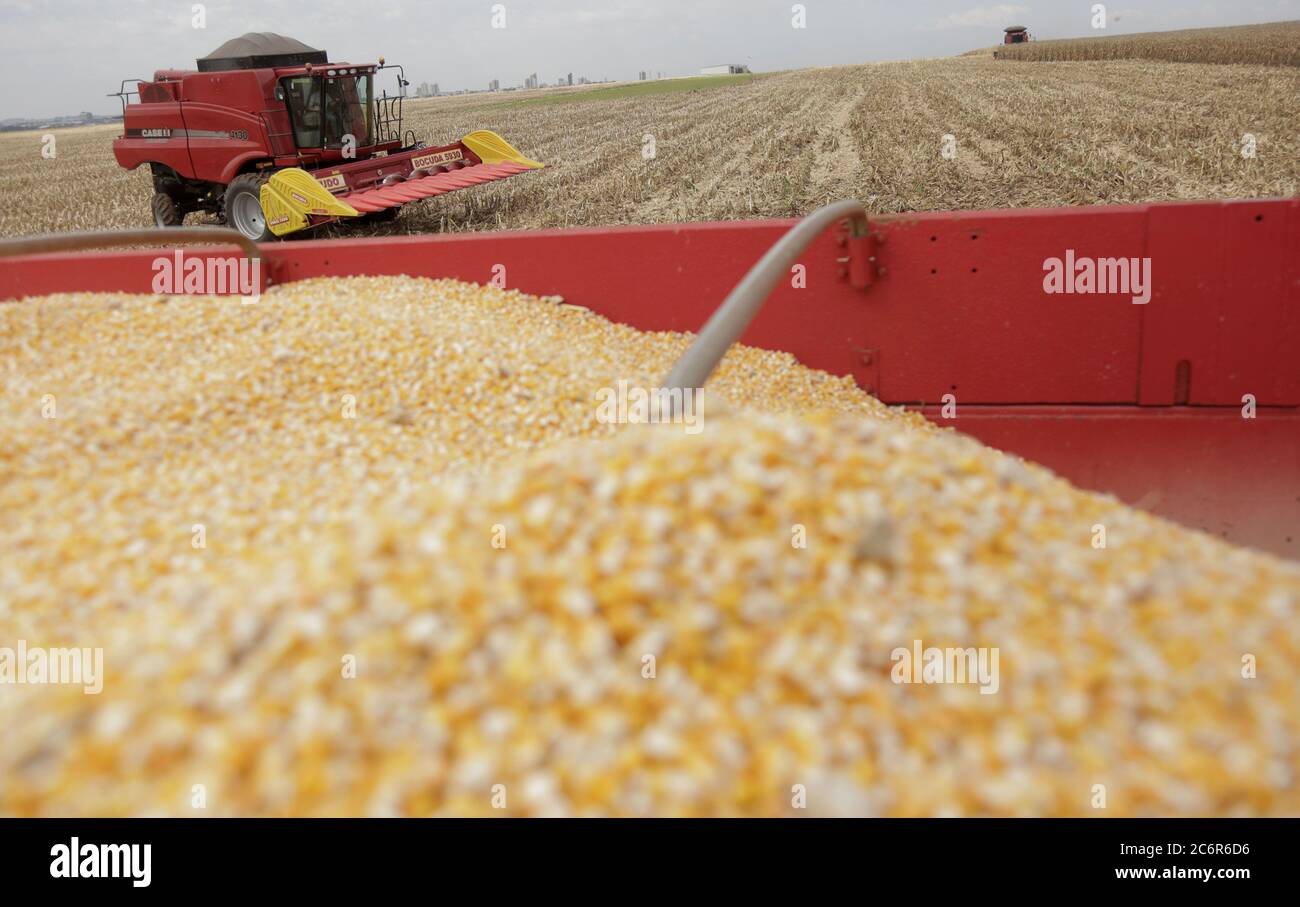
pixel 270 137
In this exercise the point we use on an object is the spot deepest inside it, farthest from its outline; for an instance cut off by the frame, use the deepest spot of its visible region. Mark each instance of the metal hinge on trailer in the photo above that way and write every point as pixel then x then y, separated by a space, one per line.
pixel 859 266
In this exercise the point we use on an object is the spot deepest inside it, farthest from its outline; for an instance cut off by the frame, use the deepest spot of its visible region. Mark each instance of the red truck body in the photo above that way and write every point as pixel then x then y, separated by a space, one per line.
pixel 1188 406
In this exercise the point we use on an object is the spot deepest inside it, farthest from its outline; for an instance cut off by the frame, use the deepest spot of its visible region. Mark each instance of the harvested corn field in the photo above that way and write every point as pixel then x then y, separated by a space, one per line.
pixel 1069 133
pixel 1272 44
pixel 426 570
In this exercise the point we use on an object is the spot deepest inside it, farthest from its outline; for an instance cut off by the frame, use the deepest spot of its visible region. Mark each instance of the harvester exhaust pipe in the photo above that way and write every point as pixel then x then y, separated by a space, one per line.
pixel 731 318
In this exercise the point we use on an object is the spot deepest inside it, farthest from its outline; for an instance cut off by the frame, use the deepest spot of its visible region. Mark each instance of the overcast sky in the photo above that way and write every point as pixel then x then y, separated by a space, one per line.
pixel 63 56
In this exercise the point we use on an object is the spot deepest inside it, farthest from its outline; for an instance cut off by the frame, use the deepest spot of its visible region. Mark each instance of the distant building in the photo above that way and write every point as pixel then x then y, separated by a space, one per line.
pixel 724 69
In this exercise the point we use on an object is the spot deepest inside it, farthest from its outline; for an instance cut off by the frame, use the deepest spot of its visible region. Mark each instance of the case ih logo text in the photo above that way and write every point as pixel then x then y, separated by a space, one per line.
pixel 1129 276
pixel 102 861
pixel 206 275
pixel 158 133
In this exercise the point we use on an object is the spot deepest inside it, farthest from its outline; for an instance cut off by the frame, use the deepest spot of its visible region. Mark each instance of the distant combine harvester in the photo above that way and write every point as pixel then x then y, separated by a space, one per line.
pixel 1014 34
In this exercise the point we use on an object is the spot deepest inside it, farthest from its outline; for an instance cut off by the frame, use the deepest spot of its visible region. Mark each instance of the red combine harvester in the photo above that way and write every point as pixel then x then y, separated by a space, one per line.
pixel 272 138
pixel 1015 34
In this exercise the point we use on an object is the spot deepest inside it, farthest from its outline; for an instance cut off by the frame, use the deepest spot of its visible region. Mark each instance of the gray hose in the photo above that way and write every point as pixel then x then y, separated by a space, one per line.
pixel 103 239
pixel 739 308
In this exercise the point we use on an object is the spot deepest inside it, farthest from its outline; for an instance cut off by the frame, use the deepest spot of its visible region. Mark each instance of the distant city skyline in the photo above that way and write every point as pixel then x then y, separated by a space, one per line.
pixel 68 54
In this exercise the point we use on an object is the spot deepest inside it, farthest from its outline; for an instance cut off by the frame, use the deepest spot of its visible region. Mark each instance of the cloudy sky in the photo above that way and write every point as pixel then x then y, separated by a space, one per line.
pixel 63 56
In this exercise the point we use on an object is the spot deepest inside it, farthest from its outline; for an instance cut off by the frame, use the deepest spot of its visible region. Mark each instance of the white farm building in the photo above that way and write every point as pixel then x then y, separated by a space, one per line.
pixel 724 69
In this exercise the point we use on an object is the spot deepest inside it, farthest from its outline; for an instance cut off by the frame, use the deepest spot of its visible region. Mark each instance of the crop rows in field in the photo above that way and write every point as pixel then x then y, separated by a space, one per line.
pixel 1067 134
pixel 1274 44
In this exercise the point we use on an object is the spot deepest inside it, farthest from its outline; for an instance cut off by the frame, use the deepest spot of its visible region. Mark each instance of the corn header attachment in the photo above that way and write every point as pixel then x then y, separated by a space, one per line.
pixel 294 199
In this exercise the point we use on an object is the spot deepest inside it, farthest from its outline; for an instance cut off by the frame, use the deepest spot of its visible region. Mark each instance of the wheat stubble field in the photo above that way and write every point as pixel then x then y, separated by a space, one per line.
pixel 1027 134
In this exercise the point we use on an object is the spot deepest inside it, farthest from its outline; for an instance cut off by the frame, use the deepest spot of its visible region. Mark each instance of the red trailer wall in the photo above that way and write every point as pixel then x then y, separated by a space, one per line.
pixel 1143 401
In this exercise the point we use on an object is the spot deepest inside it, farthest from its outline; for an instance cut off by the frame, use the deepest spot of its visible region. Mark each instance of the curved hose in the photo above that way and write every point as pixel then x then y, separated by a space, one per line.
pixel 744 302
pixel 103 239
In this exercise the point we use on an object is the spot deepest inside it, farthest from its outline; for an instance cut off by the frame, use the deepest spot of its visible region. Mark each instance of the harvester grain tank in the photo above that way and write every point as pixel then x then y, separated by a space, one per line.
pixel 272 138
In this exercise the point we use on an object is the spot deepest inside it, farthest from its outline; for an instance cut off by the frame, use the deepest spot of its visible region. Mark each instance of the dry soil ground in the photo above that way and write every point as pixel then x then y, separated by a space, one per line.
pixel 1026 134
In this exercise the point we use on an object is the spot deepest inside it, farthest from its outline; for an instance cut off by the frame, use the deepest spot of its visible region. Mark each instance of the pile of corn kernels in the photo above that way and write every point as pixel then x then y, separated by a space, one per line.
pixel 363 548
